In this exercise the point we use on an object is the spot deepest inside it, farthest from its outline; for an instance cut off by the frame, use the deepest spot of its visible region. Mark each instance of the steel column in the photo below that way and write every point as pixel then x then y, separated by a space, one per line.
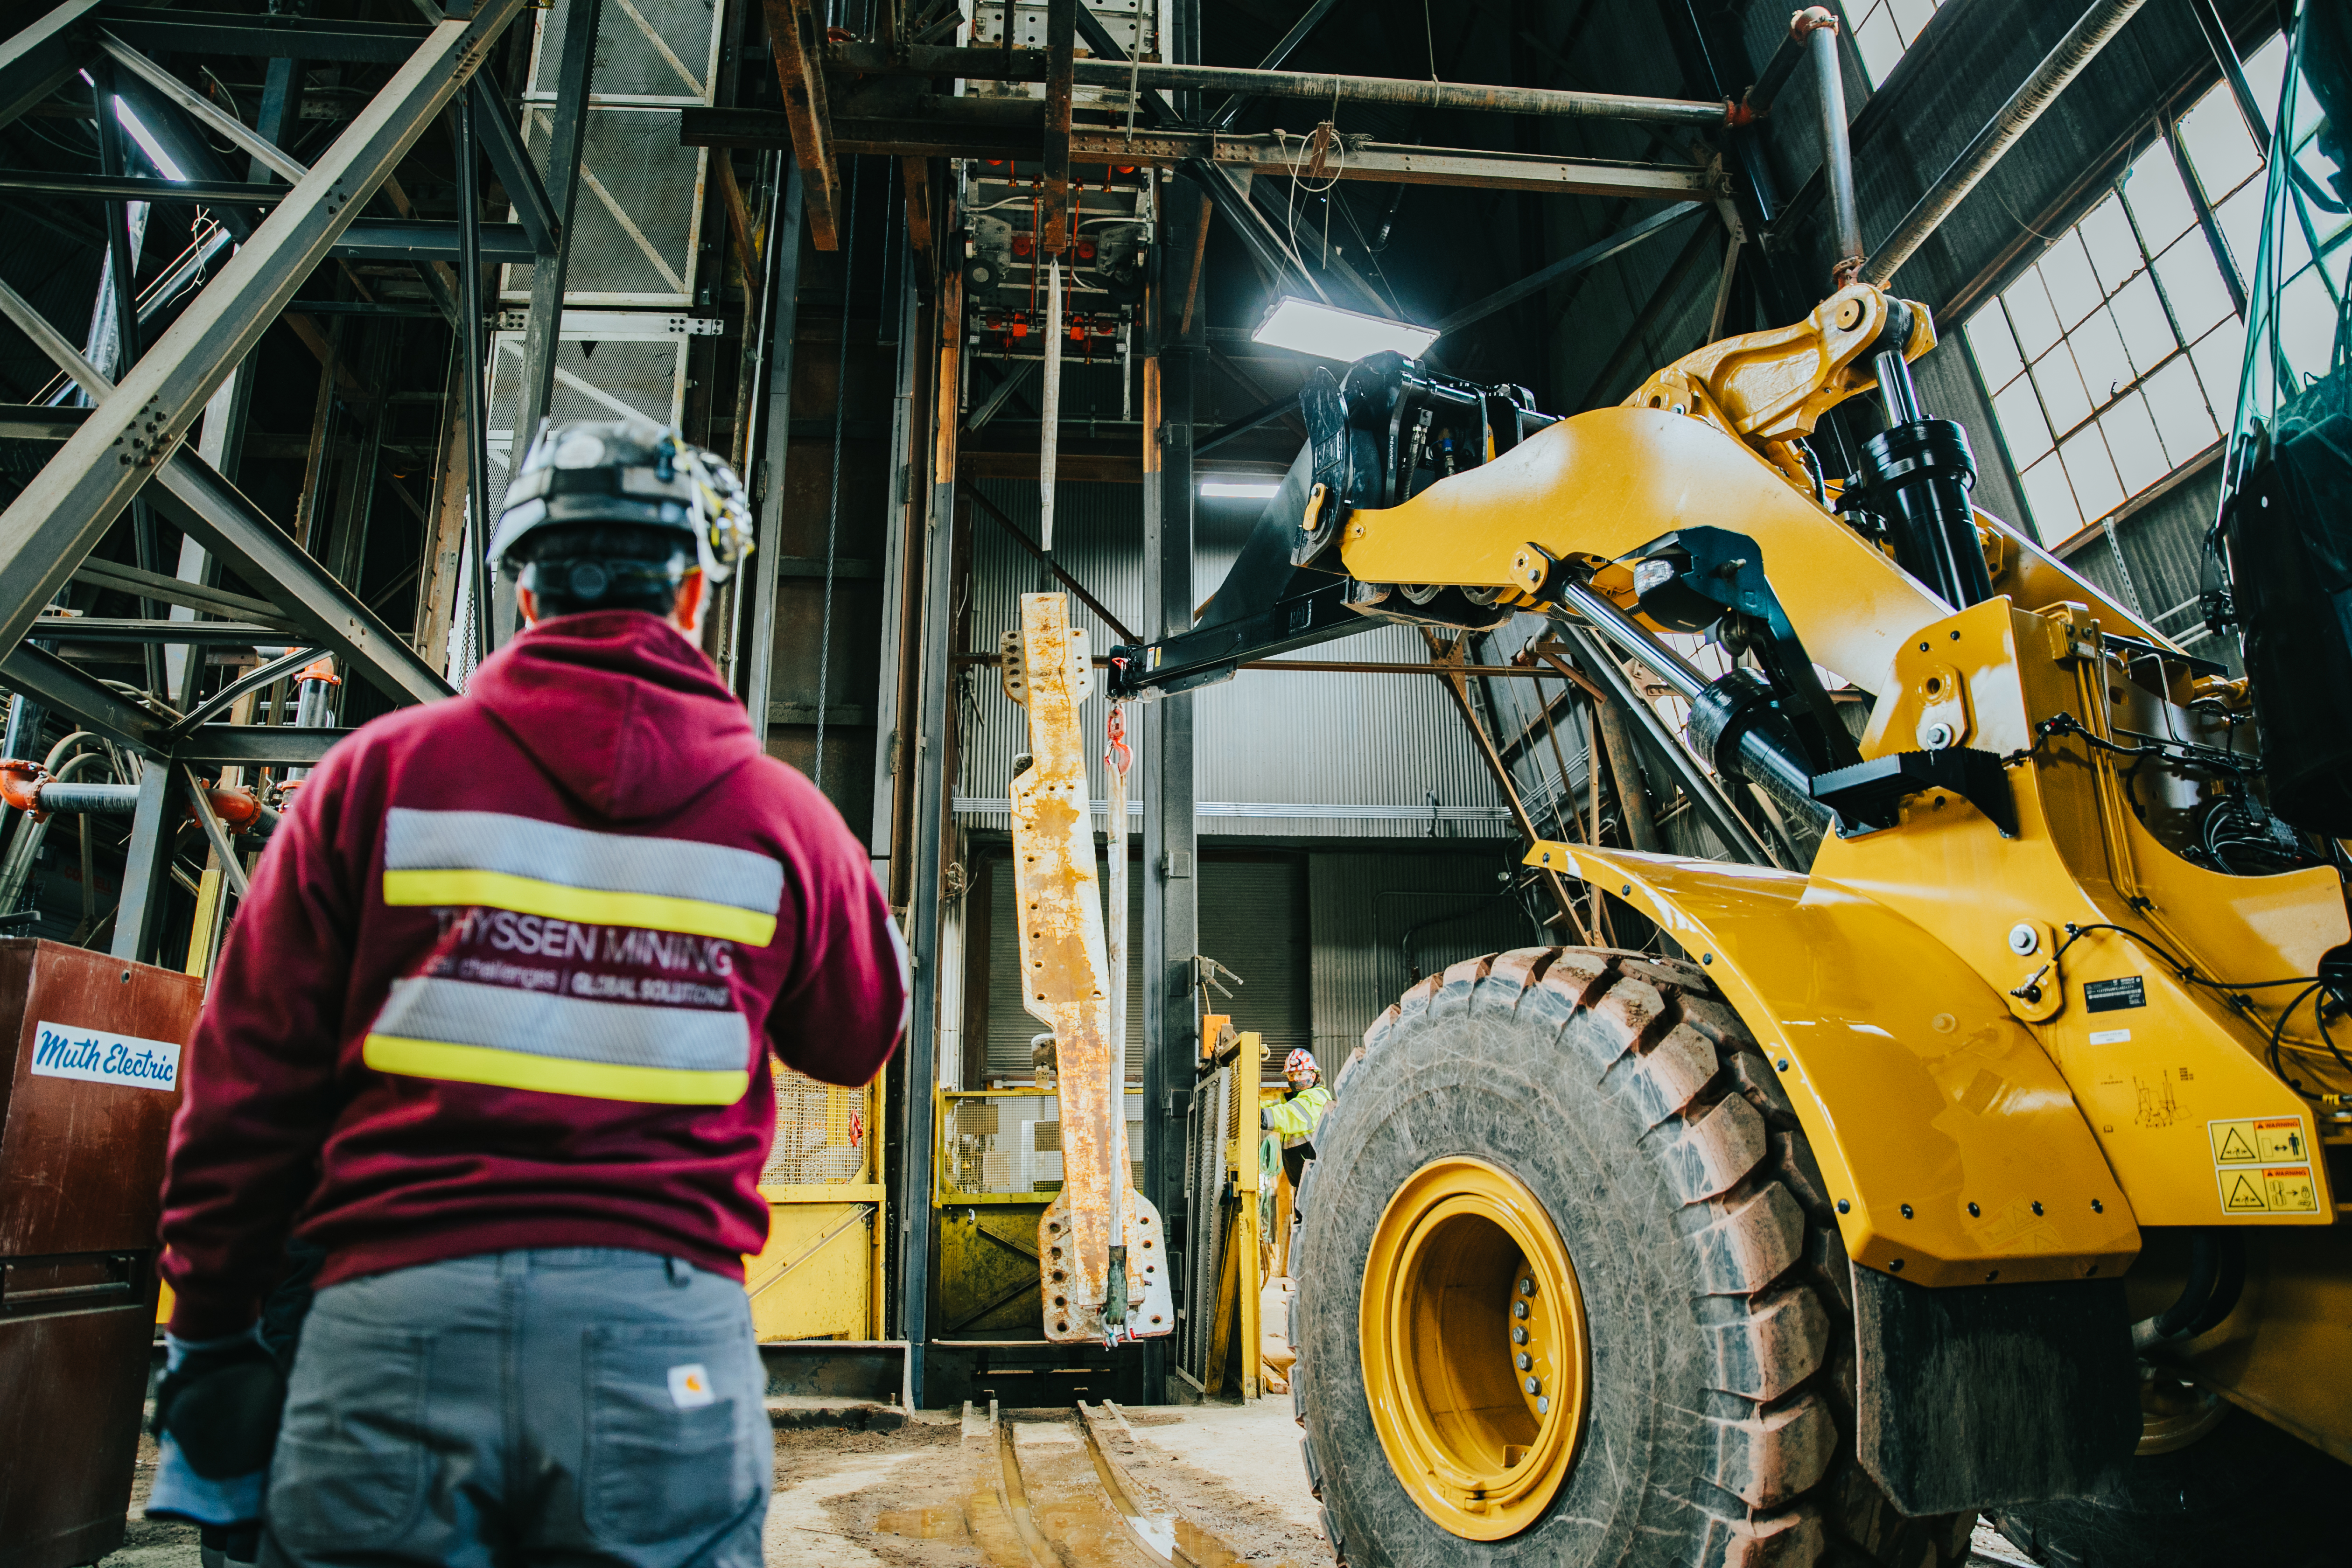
pixel 52 525
pixel 475 341
pixel 565 139
pixel 1170 849
pixel 768 484
pixel 146 864
pixel 898 504
pixel 933 792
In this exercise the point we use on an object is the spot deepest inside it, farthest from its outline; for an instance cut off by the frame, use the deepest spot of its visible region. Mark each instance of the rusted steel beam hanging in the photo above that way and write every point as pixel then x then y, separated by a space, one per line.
pixel 1031 65
pixel 797 42
pixel 1061 60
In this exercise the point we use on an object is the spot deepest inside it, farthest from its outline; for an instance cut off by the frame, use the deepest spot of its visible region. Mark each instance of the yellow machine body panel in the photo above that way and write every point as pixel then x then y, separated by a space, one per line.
pixel 2171 1074
pixel 1920 1091
pixel 1603 484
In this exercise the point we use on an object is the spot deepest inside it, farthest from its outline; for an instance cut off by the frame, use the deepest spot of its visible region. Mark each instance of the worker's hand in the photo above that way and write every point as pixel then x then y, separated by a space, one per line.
pixel 219 1402
pixel 1265 1120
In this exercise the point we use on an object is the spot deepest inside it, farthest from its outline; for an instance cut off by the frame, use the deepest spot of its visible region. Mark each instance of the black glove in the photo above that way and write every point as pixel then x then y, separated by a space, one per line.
pixel 1264 1119
pixel 221 1404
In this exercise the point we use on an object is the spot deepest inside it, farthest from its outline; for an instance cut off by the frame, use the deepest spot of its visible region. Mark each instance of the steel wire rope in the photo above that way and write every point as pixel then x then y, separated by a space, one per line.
pixel 833 509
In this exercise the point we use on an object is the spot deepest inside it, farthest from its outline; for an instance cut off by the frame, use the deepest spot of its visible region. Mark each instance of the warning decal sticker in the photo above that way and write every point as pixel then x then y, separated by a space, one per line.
pixel 2263 1164
pixel 2269 1189
pixel 2254 1141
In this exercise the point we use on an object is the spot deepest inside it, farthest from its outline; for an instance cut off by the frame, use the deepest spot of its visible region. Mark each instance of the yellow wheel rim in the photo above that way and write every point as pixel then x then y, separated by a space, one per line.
pixel 1476 1359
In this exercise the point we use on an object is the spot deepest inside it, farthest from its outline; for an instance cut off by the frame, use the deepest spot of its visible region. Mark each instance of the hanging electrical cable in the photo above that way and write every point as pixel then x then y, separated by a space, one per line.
pixel 833 509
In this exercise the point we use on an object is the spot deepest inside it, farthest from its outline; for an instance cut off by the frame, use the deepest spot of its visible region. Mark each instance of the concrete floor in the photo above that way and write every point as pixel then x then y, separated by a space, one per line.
pixel 864 1499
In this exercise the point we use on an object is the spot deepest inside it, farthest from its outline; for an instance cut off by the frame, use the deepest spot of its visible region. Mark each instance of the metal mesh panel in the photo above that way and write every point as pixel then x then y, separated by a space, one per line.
pixel 1133 25
pixel 819 1132
pixel 638 217
pixel 1012 1143
pixel 1205 1180
pixel 655 49
pixel 606 380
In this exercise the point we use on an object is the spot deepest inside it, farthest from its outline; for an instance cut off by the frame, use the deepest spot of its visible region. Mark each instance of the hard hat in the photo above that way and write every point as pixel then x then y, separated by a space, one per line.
pixel 629 471
pixel 1300 1062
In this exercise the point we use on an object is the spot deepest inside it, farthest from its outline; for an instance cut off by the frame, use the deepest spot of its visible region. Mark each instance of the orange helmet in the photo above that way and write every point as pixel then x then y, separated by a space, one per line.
pixel 1300 1063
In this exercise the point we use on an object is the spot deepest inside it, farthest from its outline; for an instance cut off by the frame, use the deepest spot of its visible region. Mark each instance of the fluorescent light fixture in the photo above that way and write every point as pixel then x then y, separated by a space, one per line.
pixel 1242 490
pixel 1332 334
pixel 148 145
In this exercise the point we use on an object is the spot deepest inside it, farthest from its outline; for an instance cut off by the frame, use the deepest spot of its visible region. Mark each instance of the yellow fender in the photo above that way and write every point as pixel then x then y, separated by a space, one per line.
pixel 1949 1139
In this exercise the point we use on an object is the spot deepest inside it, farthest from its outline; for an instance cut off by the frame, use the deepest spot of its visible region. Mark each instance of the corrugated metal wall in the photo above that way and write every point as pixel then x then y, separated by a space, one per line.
pixel 1373 748
pixel 1253 921
pixel 1378 921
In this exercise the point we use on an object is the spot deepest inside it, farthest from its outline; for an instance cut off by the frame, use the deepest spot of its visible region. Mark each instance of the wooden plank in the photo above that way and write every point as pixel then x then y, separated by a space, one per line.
pixel 1220 1328
pixel 915 174
pixel 738 224
pixel 796 39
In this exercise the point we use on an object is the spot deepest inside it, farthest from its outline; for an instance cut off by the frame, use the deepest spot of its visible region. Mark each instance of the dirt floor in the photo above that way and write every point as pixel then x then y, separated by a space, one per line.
pixel 1225 1482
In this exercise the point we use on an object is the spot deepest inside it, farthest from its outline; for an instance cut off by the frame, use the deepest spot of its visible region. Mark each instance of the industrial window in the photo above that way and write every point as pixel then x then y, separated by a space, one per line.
pixel 2114 360
pixel 1884 29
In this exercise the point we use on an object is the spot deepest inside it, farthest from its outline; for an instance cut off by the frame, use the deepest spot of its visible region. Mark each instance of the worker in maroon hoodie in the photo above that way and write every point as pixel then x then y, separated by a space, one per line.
pixel 492 1039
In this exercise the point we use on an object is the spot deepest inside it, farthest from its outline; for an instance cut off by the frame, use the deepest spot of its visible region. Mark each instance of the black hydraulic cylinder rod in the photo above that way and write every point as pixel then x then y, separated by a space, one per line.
pixel 1919 475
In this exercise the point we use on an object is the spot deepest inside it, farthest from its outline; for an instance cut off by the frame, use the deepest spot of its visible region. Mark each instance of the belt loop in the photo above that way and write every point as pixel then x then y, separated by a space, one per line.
pixel 680 1273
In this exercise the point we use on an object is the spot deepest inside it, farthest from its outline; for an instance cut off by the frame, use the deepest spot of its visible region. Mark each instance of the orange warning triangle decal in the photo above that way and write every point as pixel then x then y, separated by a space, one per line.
pixel 2234 1146
pixel 2242 1196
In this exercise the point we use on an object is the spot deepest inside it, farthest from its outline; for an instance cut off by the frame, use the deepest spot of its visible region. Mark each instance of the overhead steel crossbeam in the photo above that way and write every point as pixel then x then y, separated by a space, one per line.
pixel 42 58
pixel 210 510
pixel 316 38
pixel 1031 65
pixel 133 435
pixel 1591 256
pixel 942 130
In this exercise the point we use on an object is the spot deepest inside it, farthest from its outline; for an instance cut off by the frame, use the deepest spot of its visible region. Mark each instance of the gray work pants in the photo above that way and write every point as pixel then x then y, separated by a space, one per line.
pixel 574 1406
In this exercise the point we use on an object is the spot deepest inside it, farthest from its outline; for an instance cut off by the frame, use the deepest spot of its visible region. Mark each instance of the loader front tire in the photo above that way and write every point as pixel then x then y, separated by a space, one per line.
pixel 1593 1134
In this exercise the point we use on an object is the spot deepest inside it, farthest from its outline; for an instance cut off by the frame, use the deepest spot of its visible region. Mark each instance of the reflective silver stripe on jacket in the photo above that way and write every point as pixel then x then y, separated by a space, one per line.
pixel 572 1029
pixel 417 840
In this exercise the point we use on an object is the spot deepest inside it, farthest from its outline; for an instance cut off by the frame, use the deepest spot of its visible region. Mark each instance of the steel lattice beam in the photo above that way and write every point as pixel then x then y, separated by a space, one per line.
pixel 49 529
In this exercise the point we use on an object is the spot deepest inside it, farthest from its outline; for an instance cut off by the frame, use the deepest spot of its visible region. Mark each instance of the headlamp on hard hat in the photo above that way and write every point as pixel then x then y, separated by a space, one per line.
pixel 632 473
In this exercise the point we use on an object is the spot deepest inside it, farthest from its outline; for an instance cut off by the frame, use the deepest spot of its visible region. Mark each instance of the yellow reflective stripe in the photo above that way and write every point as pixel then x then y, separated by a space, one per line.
pixel 588 906
pixel 552 1075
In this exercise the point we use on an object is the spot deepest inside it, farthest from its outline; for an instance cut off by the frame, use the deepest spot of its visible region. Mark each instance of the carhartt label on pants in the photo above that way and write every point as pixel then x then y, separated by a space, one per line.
pixel 690 1386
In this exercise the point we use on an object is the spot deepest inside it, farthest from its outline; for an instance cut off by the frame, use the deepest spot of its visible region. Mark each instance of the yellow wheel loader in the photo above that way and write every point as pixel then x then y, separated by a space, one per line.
pixel 1989 1158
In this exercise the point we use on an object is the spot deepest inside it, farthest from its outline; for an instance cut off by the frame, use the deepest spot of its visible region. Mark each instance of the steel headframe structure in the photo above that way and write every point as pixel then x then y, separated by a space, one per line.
pixel 132 446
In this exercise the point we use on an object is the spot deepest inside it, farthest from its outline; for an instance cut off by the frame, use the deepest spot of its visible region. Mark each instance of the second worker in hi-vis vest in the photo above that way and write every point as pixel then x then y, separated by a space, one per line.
pixel 490 1042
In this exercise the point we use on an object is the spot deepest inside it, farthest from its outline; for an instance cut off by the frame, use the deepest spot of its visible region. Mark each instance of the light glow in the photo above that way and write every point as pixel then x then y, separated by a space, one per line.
pixel 1240 489
pixel 1330 333
pixel 148 145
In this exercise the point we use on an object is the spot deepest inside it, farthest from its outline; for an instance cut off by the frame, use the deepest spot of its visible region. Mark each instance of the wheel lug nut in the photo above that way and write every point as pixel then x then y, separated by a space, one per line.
pixel 1526 1286
pixel 1518 1308
pixel 1518 1336
pixel 1534 1383
pixel 1526 1361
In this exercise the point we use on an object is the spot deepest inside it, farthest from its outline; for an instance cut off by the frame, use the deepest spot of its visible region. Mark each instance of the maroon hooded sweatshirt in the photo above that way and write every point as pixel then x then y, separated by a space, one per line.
pixel 510 975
